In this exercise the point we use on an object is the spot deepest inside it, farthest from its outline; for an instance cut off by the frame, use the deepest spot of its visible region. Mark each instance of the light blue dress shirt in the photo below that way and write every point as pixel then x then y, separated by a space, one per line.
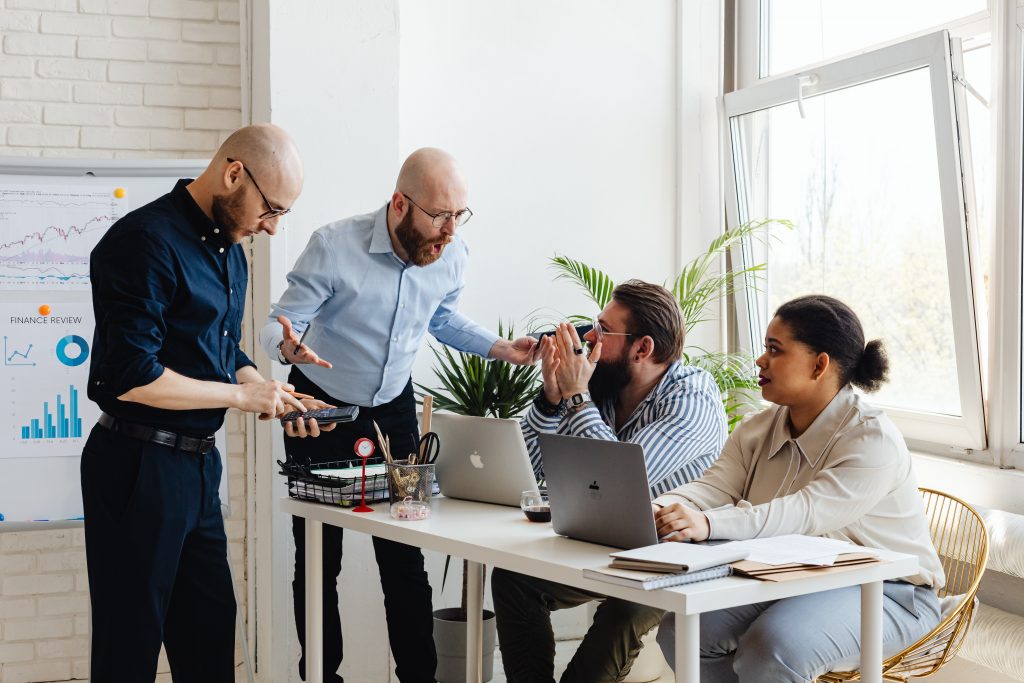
pixel 369 310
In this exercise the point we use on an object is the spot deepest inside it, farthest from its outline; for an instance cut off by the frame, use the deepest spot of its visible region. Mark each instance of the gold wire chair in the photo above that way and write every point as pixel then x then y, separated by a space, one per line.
pixel 961 541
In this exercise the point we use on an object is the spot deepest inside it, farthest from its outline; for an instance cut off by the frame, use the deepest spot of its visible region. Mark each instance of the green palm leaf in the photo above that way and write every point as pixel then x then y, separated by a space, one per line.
pixel 592 281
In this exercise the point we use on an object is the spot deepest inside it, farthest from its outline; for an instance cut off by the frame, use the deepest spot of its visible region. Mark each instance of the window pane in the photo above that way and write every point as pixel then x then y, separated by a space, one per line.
pixel 803 32
pixel 859 178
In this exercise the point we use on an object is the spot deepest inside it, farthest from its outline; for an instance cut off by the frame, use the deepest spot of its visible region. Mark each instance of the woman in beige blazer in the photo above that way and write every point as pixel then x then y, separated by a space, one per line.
pixel 821 462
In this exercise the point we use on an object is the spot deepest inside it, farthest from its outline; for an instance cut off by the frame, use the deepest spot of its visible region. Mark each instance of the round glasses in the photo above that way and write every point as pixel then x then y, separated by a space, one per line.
pixel 271 212
pixel 440 220
pixel 601 332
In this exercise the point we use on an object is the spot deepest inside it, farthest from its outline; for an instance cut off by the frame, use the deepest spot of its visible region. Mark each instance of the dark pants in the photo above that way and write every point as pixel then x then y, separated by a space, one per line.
pixel 523 606
pixel 407 594
pixel 157 558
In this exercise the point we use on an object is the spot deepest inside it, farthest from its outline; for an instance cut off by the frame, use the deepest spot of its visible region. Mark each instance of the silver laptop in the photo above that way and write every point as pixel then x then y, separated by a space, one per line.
pixel 598 491
pixel 482 458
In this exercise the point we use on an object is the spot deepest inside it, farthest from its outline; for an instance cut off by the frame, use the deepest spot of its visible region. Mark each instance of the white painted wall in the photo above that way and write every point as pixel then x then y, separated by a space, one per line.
pixel 327 72
pixel 563 118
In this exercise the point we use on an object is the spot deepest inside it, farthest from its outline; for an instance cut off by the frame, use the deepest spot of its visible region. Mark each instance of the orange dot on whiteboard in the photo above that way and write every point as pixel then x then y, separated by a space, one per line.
pixel 120 193
pixel 44 310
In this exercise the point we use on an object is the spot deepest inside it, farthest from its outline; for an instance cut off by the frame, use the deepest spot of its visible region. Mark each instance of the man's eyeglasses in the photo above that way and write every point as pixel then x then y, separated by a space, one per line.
pixel 601 332
pixel 271 212
pixel 441 219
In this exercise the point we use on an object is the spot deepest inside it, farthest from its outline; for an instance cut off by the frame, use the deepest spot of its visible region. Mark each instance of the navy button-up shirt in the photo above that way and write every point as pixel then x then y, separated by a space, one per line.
pixel 168 289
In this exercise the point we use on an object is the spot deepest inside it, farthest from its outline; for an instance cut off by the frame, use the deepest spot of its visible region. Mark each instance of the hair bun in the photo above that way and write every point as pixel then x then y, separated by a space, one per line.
pixel 872 369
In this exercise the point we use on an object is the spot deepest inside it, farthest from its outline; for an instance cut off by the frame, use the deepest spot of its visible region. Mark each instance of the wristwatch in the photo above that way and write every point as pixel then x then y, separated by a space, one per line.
pixel 547 408
pixel 280 354
pixel 577 402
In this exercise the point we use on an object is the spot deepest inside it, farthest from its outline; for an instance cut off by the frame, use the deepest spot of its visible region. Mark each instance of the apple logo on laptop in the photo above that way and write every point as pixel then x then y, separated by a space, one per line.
pixel 594 491
pixel 476 461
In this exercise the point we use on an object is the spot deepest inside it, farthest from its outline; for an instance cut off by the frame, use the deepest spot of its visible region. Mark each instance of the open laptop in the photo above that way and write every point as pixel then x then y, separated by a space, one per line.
pixel 598 491
pixel 482 459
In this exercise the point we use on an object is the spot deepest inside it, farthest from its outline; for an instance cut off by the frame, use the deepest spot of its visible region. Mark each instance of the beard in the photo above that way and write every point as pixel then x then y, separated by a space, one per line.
pixel 227 215
pixel 420 248
pixel 609 378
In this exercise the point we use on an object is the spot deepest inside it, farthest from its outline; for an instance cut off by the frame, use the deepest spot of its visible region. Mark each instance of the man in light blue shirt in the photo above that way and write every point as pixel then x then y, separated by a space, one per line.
pixel 365 291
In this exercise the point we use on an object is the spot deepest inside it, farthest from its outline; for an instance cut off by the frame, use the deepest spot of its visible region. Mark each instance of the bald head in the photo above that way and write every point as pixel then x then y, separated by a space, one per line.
pixel 433 173
pixel 270 154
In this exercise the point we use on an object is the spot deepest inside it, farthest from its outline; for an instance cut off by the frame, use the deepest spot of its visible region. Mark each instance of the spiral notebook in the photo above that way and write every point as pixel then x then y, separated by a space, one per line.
pixel 647 580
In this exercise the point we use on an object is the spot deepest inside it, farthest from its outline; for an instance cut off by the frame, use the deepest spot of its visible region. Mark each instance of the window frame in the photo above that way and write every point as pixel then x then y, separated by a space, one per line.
pixel 934 51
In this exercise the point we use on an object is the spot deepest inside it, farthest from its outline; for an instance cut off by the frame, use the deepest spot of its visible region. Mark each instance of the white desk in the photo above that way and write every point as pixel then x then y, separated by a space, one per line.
pixel 502 537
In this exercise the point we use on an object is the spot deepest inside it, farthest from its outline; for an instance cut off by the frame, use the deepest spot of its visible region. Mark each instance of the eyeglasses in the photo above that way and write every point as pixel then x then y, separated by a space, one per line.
pixel 271 212
pixel 601 332
pixel 441 219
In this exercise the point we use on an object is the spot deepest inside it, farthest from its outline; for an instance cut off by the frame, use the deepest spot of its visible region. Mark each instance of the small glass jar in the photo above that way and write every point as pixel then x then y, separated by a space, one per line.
pixel 409 510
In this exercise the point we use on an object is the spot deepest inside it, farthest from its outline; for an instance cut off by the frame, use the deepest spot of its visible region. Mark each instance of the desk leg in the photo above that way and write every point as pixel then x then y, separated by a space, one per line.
pixel 314 601
pixel 871 632
pixel 475 623
pixel 687 648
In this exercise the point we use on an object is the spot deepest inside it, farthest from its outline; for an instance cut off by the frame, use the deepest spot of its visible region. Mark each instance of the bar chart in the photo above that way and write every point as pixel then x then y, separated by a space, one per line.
pixel 62 423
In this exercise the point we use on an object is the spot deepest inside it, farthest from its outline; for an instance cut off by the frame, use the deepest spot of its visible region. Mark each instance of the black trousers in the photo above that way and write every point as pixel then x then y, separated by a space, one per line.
pixel 157 558
pixel 408 602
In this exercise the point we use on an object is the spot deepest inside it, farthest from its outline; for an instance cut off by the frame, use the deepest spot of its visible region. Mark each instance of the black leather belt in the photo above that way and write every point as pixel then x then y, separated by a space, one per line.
pixel 189 444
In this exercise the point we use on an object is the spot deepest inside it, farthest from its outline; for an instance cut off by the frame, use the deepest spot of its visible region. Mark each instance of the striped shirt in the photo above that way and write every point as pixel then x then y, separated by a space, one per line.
pixel 680 425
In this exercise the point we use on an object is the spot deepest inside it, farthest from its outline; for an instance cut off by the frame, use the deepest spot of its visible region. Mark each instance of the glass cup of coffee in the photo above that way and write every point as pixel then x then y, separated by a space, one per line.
pixel 535 506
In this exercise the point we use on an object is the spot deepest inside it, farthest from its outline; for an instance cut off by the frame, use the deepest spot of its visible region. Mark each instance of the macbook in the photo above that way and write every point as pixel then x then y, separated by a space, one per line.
pixel 482 458
pixel 598 491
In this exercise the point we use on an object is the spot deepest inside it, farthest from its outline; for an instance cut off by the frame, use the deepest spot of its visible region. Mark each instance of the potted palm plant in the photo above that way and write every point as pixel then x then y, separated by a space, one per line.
pixel 698 288
pixel 480 387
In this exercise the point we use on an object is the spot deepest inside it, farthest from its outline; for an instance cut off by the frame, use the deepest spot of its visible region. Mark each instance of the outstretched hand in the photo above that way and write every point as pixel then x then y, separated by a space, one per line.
pixel 294 350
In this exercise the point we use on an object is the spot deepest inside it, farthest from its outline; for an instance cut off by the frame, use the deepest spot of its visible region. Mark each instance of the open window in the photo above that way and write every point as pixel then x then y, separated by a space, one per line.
pixel 865 156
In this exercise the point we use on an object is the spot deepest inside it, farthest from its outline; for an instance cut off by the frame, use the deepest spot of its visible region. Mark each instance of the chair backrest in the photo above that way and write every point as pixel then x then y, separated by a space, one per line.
pixel 961 541
pixel 959 536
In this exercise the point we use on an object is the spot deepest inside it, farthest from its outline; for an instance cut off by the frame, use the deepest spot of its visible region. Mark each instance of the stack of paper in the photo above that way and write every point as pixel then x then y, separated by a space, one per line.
pixel 795 549
pixel 784 558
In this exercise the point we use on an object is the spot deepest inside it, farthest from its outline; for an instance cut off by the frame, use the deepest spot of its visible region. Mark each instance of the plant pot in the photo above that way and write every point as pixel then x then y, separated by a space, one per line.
pixel 450 642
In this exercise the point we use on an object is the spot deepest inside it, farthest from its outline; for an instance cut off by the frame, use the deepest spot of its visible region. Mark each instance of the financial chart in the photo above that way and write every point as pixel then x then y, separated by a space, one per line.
pixel 44 411
pixel 47 233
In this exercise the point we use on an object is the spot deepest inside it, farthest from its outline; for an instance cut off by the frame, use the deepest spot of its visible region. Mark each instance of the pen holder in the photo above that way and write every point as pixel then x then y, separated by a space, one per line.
pixel 410 481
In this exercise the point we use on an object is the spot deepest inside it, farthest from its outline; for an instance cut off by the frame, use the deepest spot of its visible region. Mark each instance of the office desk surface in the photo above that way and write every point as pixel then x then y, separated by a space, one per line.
pixel 502 536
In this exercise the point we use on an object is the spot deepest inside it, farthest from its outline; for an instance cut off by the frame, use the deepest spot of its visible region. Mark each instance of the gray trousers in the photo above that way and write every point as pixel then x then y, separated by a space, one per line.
pixel 523 606
pixel 798 639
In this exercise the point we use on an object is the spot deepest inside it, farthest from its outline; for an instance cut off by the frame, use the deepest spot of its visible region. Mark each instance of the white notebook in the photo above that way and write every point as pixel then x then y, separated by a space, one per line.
pixel 652 580
pixel 679 557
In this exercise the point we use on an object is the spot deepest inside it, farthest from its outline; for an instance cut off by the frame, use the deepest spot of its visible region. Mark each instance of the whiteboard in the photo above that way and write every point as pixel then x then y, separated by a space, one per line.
pixel 52 212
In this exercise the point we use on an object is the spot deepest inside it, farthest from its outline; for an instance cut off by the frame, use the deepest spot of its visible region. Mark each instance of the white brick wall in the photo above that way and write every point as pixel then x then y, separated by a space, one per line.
pixel 169 67
pixel 106 78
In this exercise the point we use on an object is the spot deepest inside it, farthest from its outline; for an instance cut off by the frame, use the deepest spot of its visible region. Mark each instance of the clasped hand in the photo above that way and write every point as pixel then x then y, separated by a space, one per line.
pixel 566 372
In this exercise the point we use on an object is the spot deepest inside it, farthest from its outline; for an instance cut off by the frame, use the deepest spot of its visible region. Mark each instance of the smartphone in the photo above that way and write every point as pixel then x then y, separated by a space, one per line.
pixel 580 330
pixel 325 415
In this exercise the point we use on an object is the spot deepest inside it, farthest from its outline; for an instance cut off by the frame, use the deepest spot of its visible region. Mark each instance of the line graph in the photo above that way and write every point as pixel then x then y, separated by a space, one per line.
pixel 9 356
pixel 47 233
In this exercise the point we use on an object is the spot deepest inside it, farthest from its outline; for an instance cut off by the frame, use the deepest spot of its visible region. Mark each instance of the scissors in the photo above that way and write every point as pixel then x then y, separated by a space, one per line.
pixel 430 446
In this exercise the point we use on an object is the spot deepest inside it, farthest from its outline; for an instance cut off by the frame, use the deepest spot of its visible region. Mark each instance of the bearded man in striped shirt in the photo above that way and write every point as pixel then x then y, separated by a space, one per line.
pixel 633 387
